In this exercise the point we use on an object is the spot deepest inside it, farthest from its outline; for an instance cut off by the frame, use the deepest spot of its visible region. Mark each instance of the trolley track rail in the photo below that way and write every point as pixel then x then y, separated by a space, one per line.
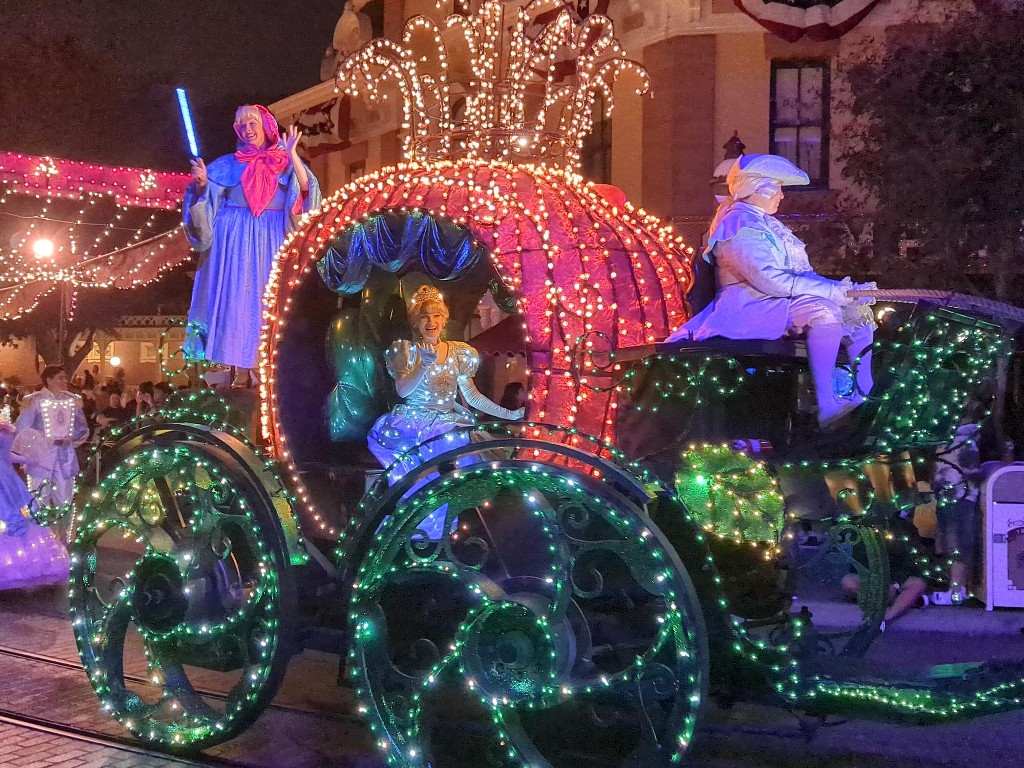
pixel 57 661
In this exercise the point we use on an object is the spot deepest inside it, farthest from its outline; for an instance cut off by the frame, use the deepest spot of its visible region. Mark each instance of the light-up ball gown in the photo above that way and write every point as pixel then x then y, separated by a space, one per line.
pixel 431 420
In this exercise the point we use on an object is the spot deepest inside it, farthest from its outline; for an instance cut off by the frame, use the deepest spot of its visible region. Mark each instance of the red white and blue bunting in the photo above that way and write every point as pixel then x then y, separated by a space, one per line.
pixel 815 19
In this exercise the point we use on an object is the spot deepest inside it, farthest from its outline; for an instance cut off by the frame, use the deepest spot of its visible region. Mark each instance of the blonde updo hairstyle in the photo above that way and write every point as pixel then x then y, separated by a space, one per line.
pixel 427 299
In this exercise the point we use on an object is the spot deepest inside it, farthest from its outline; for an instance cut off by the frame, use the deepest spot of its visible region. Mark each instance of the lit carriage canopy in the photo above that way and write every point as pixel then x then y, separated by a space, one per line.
pixel 398 241
pixel 493 123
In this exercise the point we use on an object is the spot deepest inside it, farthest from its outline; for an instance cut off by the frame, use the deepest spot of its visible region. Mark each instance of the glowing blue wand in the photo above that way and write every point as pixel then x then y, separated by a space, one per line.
pixel 186 118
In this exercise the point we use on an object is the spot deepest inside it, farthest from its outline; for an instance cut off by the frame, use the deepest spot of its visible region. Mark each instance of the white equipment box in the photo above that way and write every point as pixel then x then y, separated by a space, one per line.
pixel 1004 538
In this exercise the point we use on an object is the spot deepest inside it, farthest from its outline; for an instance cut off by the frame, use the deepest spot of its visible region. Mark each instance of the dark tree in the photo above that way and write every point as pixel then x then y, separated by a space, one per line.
pixel 936 146
pixel 94 310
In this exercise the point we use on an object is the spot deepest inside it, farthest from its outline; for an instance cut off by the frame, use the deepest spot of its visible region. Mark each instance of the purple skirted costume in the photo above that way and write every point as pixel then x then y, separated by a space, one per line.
pixel 30 555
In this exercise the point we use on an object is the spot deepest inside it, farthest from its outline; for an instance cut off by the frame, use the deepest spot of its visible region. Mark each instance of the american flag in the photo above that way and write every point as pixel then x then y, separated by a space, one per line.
pixel 325 127
pixel 815 19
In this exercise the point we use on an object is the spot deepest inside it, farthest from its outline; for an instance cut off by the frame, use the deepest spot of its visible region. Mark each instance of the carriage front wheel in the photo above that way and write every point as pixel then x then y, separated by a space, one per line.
pixel 515 606
pixel 181 591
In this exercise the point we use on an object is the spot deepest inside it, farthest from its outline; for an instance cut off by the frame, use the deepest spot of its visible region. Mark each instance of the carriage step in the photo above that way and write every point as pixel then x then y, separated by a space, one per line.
pixel 324 639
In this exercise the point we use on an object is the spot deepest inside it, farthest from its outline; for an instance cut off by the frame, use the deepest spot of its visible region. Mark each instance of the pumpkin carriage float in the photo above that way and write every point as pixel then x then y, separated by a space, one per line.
pixel 561 591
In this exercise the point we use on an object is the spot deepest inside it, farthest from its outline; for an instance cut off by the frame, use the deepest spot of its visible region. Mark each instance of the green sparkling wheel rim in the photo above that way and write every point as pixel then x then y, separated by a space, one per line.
pixel 521 645
pixel 204 604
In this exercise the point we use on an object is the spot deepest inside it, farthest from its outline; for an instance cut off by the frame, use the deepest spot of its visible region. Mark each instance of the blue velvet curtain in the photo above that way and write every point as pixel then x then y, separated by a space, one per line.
pixel 395 241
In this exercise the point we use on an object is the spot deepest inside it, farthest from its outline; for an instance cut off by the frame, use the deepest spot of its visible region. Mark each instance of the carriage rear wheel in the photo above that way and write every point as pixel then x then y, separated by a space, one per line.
pixel 181 591
pixel 516 606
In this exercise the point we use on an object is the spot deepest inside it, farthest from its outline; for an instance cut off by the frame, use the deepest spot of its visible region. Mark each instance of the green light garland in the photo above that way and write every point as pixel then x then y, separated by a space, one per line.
pixel 179 353
pixel 48 514
pixel 730 495
pixel 574 514
pixel 936 362
pixel 681 379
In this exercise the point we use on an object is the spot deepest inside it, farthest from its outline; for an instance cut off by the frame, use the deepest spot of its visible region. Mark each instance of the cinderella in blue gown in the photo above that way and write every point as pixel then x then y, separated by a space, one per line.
pixel 431 420
pixel 239 245
pixel 30 555
pixel 429 411
pixel 430 388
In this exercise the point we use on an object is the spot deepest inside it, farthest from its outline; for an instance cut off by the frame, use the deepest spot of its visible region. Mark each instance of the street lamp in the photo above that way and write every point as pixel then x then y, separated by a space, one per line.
pixel 43 248
pixel 115 361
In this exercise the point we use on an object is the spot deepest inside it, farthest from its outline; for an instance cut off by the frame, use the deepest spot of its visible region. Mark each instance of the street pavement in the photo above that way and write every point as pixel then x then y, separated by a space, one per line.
pixel 316 726
pixel 22 748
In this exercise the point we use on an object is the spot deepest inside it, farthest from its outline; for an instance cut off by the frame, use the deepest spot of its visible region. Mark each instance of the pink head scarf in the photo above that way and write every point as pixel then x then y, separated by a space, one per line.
pixel 262 164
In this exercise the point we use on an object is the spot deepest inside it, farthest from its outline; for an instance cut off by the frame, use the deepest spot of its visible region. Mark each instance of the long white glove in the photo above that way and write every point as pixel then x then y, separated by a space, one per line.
pixel 483 403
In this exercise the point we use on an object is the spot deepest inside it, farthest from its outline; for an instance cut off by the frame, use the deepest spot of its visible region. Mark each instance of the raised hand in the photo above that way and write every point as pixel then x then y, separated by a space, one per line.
pixel 291 139
pixel 427 353
pixel 199 172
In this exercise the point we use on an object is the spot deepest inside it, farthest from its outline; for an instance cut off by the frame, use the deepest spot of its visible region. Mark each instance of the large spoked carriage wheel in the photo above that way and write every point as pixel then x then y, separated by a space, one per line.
pixel 181 593
pixel 514 606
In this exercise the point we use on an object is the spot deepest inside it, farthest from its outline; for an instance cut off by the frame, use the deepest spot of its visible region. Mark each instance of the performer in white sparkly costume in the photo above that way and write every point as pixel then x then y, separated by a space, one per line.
pixel 52 421
pixel 767 288
pixel 429 375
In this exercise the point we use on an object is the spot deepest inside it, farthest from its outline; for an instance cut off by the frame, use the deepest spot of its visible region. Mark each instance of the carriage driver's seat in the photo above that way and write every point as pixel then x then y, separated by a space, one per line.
pixel 701 294
pixel 705 285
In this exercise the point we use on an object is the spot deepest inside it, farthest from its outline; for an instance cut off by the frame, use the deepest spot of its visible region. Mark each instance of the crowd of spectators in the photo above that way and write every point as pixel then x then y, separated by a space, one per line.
pixel 113 402
pixel 107 402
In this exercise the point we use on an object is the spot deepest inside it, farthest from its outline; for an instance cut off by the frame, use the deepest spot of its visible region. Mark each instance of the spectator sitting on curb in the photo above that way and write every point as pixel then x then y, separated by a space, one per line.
pixel 908 589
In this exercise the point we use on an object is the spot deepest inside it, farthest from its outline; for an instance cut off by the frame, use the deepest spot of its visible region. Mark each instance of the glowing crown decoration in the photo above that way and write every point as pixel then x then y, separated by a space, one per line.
pixel 496 86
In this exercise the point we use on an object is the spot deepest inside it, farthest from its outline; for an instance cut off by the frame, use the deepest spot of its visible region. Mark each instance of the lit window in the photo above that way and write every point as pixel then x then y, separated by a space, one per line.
pixel 799 116
pixel 147 352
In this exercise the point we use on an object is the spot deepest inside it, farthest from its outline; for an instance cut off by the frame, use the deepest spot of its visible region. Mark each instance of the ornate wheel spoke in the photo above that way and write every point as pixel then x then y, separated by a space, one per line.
pixel 558 627
pixel 106 644
pixel 186 653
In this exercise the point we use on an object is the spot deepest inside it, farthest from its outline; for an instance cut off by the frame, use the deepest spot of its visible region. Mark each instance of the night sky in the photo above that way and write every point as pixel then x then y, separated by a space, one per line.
pixel 94 79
